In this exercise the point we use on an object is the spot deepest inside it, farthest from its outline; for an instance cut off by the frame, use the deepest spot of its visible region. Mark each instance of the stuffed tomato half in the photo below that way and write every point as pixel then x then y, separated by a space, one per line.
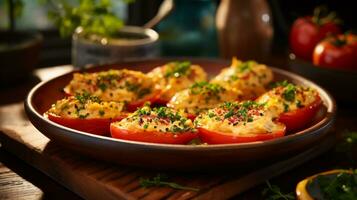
pixel 202 96
pixel 174 77
pixel 86 113
pixel 133 87
pixel 155 125
pixel 250 77
pixel 293 105
pixel 233 122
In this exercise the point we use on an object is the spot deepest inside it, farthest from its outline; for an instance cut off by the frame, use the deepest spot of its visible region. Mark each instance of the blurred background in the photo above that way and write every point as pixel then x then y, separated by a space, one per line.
pixel 56 50
pixel 42 33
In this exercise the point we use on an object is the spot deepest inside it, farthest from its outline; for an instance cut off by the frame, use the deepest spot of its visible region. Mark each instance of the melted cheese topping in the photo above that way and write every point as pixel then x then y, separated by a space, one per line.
pixel 202 96
pixel 248 77
pixel 112 85
pixel 176 76
pixel 288 97
pixel 158 119
pixel 86 107
pixel 241 119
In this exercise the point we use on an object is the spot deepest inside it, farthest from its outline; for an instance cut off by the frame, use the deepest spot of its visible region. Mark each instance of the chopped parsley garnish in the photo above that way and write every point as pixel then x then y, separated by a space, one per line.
pixel 83 116
pixel 245 66
pixel 211 115
pixel 237 112
pixel 131 86
pixel 229 114
pixel 137 88
pixel 101 112
pixel 286 107
pixel 106 79
pixel 289 92
pixel 85 96
pixel 109 75
pixel 143 111
pixel 280 83
pixel 162 180
pixel 102 86
pixel 201 87
pixel 178 69
pixel 162 115
pixel 233 77
pixel 289 89
pixel 298 104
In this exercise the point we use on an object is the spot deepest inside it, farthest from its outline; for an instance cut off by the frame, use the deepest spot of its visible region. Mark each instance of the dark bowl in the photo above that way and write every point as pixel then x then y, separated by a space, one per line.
pixel 341 83
pixel 177 157
pixel 19 53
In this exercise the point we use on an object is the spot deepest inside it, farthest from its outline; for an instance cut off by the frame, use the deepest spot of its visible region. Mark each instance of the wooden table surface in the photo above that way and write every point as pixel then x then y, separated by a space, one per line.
pixel 20 181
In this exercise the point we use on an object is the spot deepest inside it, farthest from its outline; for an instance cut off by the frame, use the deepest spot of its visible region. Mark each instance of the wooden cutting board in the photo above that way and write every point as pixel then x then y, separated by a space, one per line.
pixel 94 179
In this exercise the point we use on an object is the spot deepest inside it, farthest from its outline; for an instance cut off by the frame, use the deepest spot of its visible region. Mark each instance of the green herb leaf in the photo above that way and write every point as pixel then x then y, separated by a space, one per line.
pixel 273 192
pixel 289 92
pixel 94 16
pixel 279 83
pixel 341 186
pixel 178 69
pixel 162 180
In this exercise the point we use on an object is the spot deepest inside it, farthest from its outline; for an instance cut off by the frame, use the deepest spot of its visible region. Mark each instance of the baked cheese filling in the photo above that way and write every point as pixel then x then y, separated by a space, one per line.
pixel 86 107
pixel 249 77
pixel 202 96
pixel 160 119
pixel 176 76
pixel 240 119
pixel 286 97
pixel 113 85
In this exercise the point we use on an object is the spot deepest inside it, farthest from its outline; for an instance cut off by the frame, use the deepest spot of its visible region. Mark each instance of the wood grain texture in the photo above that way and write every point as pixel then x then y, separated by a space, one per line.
pixel 14 187
pixel 94 179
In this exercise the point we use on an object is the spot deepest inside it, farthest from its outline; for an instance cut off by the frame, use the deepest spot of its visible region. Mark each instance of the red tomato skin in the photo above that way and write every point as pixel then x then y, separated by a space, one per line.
pixel 305 35
pixel 160 101
pixel 191 116
pixel 98 126
pixel 343 57
pixel 216 137
pixel 299 118
pixel 152 136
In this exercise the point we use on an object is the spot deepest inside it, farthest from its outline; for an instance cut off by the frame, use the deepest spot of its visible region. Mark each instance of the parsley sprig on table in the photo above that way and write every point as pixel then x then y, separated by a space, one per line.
pixel 273 192
pixel 162 180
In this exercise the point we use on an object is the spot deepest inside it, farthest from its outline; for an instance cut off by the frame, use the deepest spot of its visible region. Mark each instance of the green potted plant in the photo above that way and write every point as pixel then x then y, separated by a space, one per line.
pixel 19 50
pixel 98 35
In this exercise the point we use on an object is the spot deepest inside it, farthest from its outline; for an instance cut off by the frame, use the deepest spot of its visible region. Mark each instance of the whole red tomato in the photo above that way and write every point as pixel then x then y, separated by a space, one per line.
pixel 306 32
pixel 337 52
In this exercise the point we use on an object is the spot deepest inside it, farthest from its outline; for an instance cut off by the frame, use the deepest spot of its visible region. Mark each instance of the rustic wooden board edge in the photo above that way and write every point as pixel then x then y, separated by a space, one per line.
pixel 91 189
pixel 245 182
pixel 33 158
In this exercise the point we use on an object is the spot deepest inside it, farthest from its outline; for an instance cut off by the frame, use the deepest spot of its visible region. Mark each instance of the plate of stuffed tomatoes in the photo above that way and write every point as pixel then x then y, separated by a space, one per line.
pixel 182 113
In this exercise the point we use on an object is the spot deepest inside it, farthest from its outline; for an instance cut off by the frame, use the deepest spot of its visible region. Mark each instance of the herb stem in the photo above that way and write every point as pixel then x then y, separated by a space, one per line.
pixel 161 180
